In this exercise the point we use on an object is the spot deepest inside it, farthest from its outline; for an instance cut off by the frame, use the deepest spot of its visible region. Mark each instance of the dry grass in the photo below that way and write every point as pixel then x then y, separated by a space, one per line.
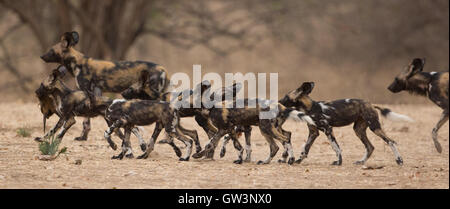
pixel 88 164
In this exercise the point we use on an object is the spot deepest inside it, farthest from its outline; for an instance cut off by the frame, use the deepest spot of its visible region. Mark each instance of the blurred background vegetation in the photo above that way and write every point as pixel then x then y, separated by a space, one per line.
pixel 350 48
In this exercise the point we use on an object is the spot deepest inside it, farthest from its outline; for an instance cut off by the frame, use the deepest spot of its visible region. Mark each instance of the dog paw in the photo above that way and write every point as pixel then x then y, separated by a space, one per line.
pixel 399 161
pixel 359 162
pixel 239 161
pixel 222 153
pixel 291 161
pixel 80 138
pixel 282 161
pixel 184 159
pixel 337 162
pixel 143 156
pixel 143 147
pixel 129 156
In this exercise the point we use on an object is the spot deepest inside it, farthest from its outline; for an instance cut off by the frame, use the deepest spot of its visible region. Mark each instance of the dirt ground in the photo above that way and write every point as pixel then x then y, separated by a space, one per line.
pixel 423 166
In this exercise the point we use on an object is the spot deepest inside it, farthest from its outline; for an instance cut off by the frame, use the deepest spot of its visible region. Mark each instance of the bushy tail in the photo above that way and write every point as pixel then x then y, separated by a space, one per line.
pixel 300 117
pixel 393 116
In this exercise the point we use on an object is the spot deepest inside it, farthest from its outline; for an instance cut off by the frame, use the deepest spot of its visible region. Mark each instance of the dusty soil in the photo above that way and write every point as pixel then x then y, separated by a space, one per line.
pixel 423 168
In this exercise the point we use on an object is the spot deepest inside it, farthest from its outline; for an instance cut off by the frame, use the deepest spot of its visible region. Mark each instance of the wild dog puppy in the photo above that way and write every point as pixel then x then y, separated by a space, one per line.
pixel 127 114
pixel 96 76
pixel 338 113
pixel 226 119
pixel 56 98
pixel 224 94
pixel 434 85
pixel 202 121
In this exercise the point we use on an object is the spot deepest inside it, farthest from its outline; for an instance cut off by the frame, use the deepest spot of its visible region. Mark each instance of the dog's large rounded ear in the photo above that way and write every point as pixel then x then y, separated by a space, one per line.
pixel 75 37
pixel 423 61
pixel 69 39
pixel 306 88
pixel 417 65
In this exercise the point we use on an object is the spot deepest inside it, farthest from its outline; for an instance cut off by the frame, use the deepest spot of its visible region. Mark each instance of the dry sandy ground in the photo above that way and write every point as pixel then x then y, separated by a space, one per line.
pixel 423 168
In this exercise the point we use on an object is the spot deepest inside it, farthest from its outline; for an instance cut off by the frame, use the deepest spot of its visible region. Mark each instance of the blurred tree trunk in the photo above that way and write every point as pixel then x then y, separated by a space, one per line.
pixel 108 27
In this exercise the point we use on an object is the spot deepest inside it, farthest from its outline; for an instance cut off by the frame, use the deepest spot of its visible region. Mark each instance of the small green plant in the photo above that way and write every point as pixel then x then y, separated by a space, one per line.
pixel 50 146
pixel 23 132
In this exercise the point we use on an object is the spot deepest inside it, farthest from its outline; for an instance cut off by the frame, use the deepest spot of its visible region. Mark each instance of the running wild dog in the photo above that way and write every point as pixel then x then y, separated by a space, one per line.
pixel 96 76
pixel 202 121
pixel 434 85
pixel 338 113
pixel 127 114
pixel 226 119
pixel 56 98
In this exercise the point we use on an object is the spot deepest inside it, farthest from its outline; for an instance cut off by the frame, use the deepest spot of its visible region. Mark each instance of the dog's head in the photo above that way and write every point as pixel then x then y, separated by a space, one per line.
pixel 43 93
pixel 45 102
pixel 402 80
pixel 50 83
pixel 62 51
pixel 296 97
pixel 45 90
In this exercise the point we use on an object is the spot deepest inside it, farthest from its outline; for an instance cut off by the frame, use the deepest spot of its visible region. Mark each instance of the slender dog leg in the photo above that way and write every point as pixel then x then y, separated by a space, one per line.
pixel 209 148
pixel 360 128
pixel 86 129
pixel 188 142
pixel 442 120
pixel 223 150
pixel 237 146
pixel 113 128
pixel 151 143
pixel 67 124
pixel 126 148
pixel 379 132
pixel 52 131
pixel 313 134
pixel 334 145
pixel 213 144
pixel 286 151
pixel 248 147
pixel 273 150
pixel 137 132
pixel 193 134
pixel 203 122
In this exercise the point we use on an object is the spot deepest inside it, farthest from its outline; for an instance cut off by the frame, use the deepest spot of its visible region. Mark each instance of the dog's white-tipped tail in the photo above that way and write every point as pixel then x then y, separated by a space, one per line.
pixel 301 117
pixel 393 116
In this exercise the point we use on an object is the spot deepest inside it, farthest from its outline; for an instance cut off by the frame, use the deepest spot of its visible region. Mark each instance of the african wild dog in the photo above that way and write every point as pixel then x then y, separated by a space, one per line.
pixel 226 119
pixel 338 113
pixel 431 84
pixel 56 98
pixel 225 93
pixel 201 119
pixel 129 113
pixel 96 76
